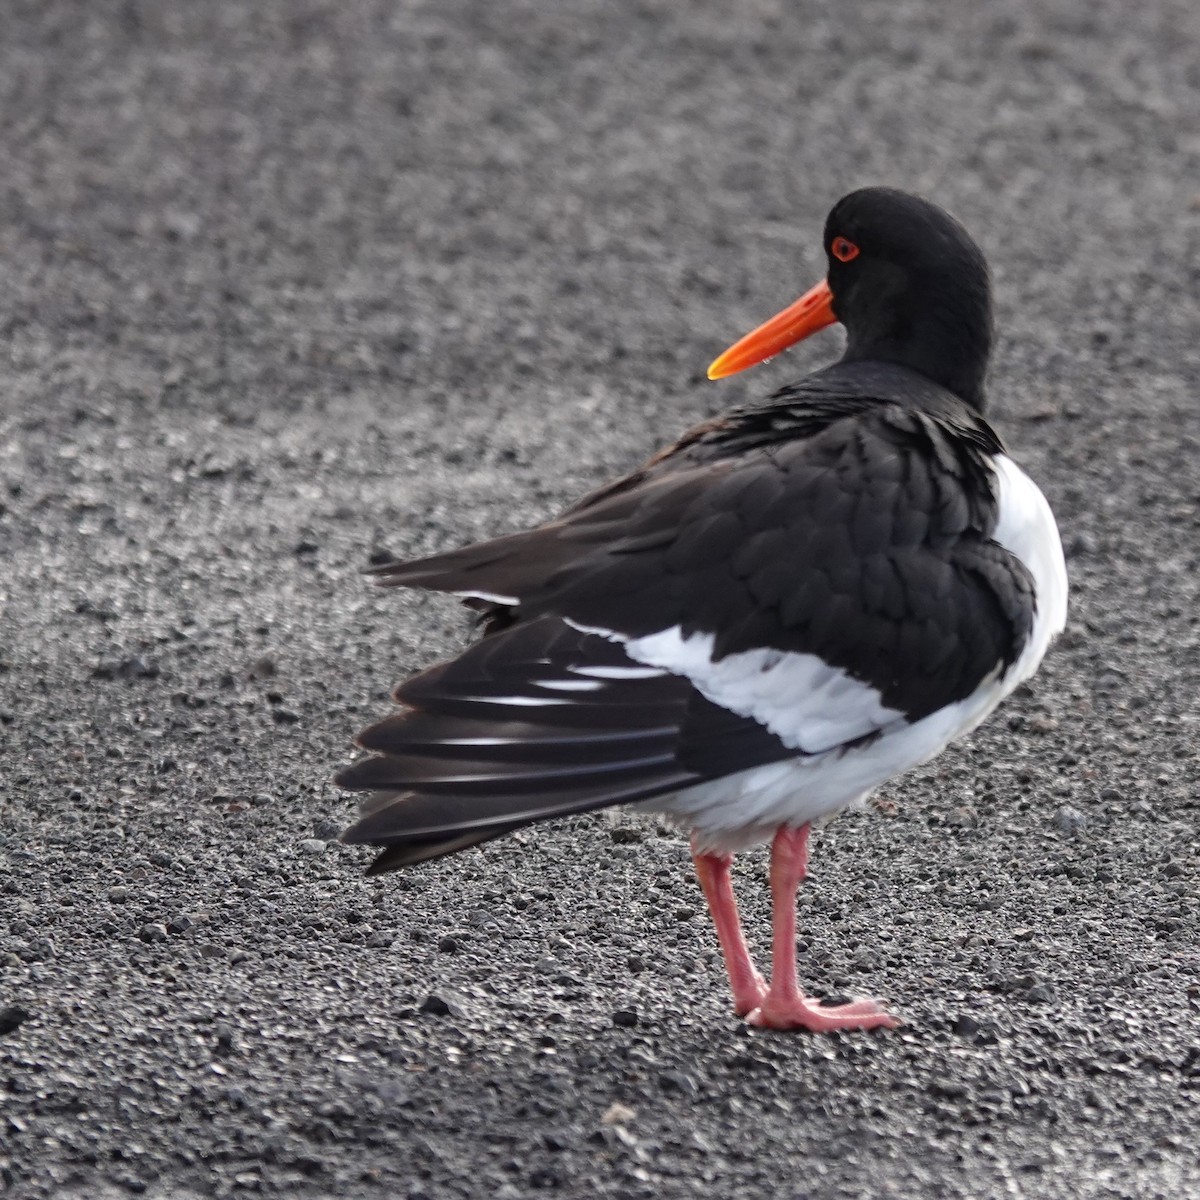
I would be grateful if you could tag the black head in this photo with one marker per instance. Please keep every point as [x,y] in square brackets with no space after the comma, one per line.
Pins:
[911,287]
[908,283]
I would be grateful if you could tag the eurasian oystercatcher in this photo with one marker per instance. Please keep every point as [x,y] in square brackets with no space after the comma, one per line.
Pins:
[799,600]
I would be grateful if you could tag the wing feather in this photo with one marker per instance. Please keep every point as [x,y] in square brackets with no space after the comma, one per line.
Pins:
[459,764]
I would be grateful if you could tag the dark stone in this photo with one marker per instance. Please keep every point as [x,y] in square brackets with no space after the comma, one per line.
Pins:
[444,1004]
[12,1016]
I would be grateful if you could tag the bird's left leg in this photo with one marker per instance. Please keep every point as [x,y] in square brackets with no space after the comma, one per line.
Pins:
[785,1006]
[748,985]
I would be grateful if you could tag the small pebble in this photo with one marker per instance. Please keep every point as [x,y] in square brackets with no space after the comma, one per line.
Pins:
[948,1089]
[313,846]
[1070,820]
[966,1026]
[618,1114]
[625,1018]
[262,668]
[678,1081]
[153,931]
[623,834]
[1080,545]
[326,829]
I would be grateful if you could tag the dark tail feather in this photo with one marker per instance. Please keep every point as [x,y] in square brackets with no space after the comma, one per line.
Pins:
[488,778]
[408,854]
[412,827]
[392,816]
[539,721]
[470,739]
[487,567]
[610,524]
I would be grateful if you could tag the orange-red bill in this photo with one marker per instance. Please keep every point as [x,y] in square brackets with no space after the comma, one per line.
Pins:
[813,311]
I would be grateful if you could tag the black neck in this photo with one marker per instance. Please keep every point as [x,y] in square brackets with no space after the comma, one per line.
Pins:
[943,332]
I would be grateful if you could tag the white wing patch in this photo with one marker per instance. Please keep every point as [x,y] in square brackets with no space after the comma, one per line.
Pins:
[478,741]
[620,672]
[569,685]
[490,597]
[806,703]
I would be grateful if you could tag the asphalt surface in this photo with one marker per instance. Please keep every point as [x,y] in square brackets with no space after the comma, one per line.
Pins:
[286,284]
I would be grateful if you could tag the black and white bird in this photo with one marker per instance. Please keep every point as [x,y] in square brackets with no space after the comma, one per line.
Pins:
[798,601]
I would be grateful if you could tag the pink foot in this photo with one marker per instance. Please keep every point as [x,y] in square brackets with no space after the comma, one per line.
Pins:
[801,1012]
[749,994]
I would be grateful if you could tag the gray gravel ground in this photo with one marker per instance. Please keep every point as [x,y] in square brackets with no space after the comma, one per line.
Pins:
[292,282]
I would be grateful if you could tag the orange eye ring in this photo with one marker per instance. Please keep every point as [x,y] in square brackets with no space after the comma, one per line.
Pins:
[843,249]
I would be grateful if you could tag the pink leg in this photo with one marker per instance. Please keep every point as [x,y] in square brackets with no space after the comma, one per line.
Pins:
[748,985]
[784,1006]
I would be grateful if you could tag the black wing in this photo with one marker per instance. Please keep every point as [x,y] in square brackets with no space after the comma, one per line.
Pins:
[538,721]
[867,544]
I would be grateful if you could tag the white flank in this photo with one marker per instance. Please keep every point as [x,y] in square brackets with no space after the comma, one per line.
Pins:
[1028,530]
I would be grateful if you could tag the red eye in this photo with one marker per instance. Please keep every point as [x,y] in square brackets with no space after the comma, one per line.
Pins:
[843,249]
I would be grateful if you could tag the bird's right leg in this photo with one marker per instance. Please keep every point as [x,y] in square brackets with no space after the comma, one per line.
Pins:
[785,1006]
[749,987]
